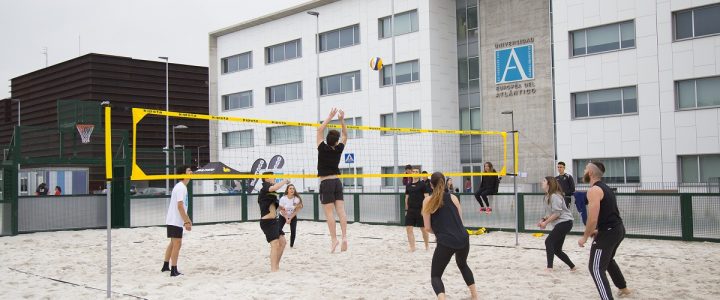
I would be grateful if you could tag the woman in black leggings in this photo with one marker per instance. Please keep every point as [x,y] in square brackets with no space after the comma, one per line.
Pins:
[442,216]
[559,216]
[488,186]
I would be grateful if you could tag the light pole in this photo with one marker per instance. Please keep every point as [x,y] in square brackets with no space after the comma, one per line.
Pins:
[512,122]
[394,92]
[173,147]
[317,60]
[167,123]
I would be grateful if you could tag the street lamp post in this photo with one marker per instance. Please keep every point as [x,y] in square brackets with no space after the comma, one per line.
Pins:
[317,60]
[173,138]
[512,122]
[167,123]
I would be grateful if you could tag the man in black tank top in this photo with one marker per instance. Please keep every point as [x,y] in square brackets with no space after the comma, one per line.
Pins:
[606,226]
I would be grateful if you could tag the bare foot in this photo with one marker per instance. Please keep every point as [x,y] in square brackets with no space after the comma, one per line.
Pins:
[412,249]
[624,292]
[573,269]
[548,270]
[334,245]
[344,245]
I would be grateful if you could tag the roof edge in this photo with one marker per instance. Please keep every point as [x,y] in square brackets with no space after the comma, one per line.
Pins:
[271,17]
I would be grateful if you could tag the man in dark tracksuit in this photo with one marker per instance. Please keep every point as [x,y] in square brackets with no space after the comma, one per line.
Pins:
[606,227]
[567,183]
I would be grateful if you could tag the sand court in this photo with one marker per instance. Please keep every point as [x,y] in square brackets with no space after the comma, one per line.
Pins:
[230,261]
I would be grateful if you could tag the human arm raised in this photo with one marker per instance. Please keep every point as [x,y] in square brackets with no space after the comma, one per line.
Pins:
[321,129]
[343,135]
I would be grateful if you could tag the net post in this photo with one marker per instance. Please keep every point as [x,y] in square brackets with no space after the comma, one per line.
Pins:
[356,206]
[521,212]
[686,217]
[108,177]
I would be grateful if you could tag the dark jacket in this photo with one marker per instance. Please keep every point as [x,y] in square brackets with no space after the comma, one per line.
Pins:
[567,184]
[490,183]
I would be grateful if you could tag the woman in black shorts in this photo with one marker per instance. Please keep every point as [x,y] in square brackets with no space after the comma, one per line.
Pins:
[268,202]
[415,192]
[331,188]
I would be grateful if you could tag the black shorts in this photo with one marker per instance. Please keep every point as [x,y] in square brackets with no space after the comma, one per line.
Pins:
[271,228]
[413,217]
[331,190]
[174,232]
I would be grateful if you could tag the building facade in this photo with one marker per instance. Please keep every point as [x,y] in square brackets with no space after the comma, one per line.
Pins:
[637,86]
[267,68]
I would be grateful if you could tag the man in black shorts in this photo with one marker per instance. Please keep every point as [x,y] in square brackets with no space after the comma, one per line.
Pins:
[415,193]
[268,202]
[176,219]
[331,188]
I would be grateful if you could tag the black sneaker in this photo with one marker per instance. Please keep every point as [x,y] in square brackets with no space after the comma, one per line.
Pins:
[174,273]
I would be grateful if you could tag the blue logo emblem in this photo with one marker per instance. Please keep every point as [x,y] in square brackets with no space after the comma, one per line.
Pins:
[514,64]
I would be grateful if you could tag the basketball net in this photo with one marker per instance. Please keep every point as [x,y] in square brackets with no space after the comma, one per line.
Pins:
[85,131]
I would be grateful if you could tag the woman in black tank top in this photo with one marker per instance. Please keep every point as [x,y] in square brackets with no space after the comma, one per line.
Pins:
[442,216]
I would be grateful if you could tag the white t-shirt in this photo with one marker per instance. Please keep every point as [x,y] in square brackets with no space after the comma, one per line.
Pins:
[289,204]
[179,193]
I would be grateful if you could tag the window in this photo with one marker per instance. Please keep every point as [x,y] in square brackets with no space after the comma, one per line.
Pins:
[617,170]
[284,51]
[408,119]
[238,139]
[340,83]
[350,182]
[406,22]
[352,133]
[699,168]
[237,63]
[617,101]
[284,92]
[406,72]
[470,119]
[696,93]
[284,135]
[697,22]
[603,38]
[388,181]
[340,38]
[237,100]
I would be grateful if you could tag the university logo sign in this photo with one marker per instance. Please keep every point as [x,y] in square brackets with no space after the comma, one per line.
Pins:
[514,64]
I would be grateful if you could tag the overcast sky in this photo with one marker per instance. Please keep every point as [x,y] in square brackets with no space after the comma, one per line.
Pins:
[143,29]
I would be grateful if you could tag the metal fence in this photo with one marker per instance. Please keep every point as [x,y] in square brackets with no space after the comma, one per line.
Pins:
[683,216]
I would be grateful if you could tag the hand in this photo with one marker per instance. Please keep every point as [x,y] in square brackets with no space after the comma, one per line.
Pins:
[543,225]
[333,111]
[582,241]
[341,114]
[188,226]
[594,233]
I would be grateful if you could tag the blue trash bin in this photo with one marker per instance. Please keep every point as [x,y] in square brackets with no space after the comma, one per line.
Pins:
[581,204]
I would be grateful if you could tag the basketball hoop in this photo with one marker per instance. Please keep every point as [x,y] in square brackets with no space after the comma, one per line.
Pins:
[85,131]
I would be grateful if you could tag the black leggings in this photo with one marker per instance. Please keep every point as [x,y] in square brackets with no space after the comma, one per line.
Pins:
[482,195]
[293,226]
[440,260]
[554,243]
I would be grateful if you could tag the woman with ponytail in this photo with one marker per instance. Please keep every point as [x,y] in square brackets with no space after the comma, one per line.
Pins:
[442,216]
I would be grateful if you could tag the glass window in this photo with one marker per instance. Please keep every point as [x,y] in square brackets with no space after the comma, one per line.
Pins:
[281,52]
[237,63]
[284,92]
[472,17]
[605,102]
[350,182]
[707,20]
[391,181]
[408,119]
[697,22]
[474,67]
[284,135]
[238,139]
[475,119]
[352,133]
[683,25]
[617,170]
[340,83]
[697,93]
[461,24]
[406,72]
[699,168]
[405,22]
[603,38]
[340,38]
[237,100]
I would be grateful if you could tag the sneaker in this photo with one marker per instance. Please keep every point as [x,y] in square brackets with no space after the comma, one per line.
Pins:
[482,209]
[488,210]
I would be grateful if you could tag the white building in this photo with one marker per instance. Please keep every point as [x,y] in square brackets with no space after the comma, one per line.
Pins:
[637,85]
[266,68]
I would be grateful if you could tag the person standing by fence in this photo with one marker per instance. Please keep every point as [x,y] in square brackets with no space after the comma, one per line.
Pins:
[567,183]
[606,226]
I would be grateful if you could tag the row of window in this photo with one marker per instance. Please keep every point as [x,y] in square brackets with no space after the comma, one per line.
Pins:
[293,134]
[691,23]
[691,168]
[329,85]
[689,94]
[405,22]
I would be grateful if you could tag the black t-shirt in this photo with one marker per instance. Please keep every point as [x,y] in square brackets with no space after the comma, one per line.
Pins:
[41,189]
[416,194]
[447,225]
[266,198]
[329,159]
